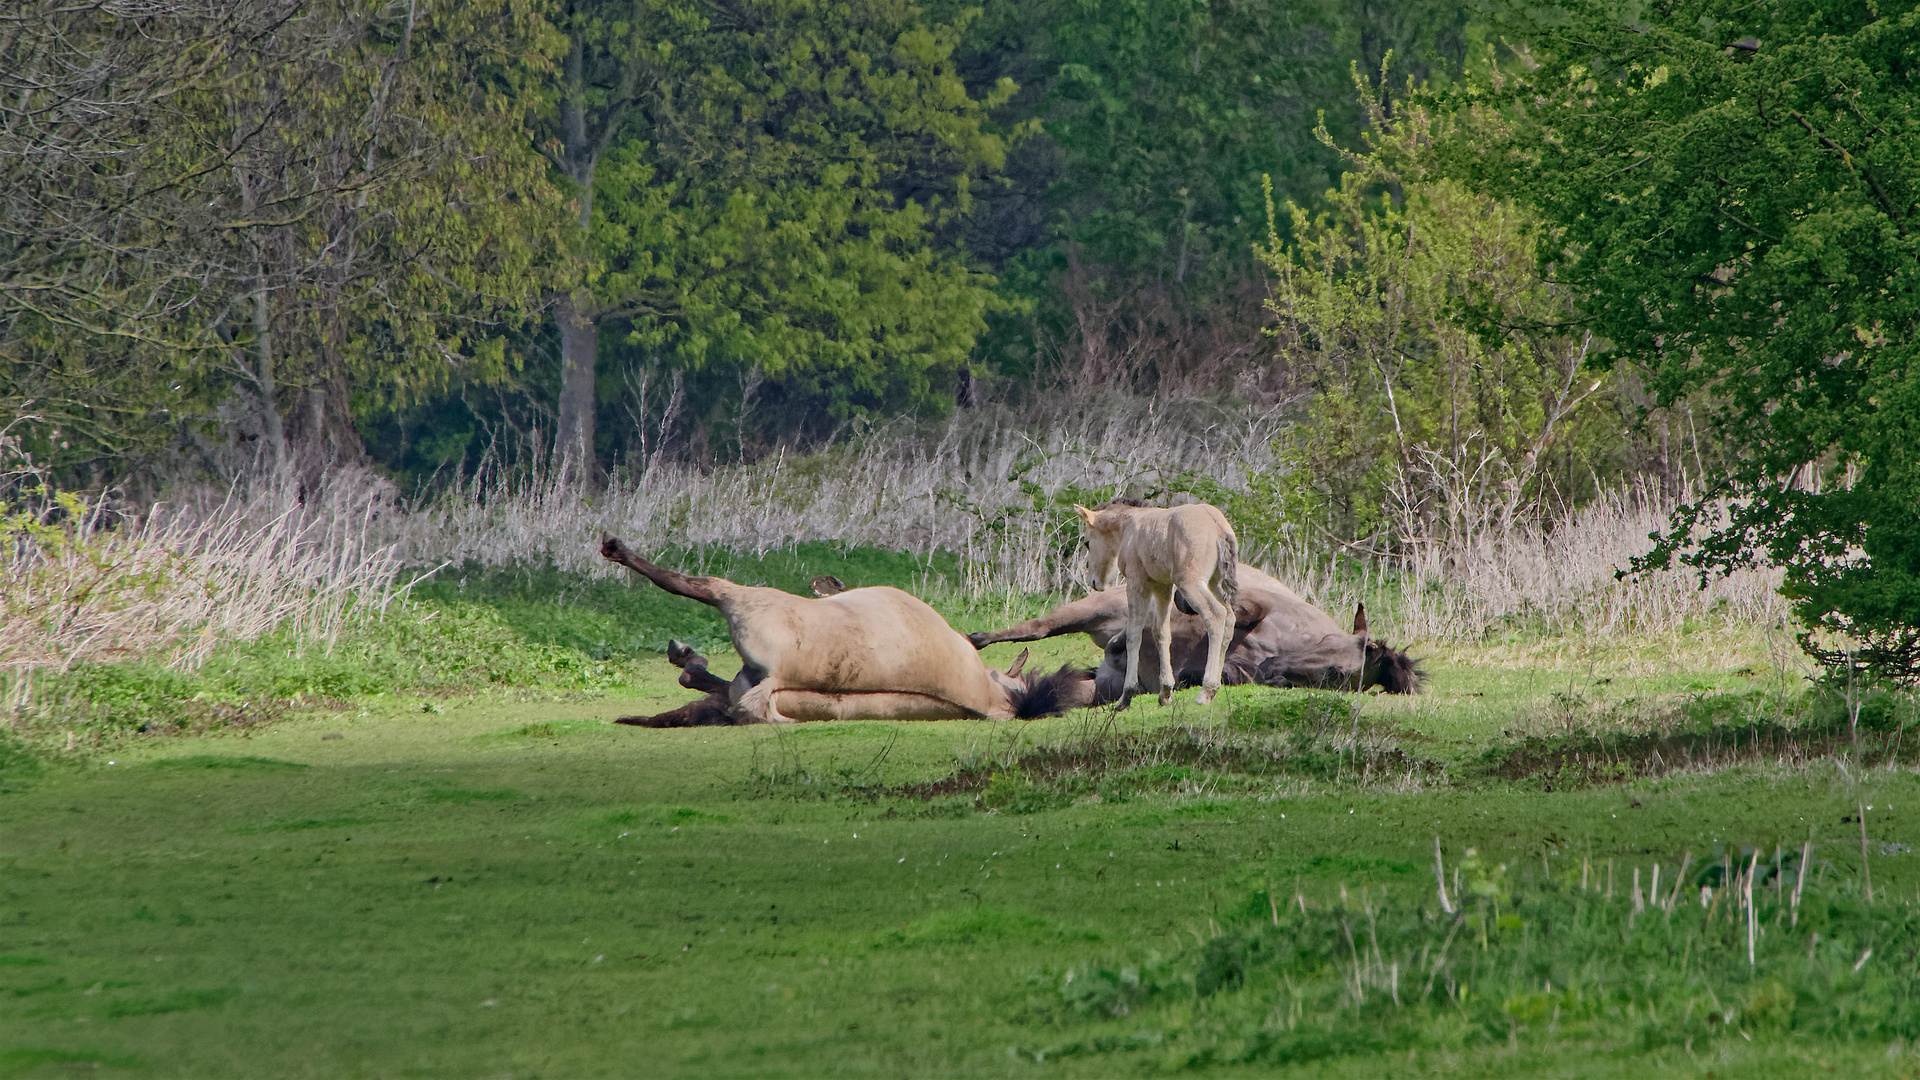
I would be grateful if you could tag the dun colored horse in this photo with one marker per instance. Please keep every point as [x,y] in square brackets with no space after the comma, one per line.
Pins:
[874,653]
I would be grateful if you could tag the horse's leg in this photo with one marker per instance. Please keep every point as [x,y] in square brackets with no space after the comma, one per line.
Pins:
[1097,616]
[693,669]
[709,711]
[1163,629]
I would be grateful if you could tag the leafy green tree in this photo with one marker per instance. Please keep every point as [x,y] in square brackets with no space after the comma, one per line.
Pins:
[293,202]
[383,215]
[1451,401]
[766,182]
[1739,187]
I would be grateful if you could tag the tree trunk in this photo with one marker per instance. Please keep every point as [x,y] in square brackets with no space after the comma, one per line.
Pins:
[263,377]
[579,342]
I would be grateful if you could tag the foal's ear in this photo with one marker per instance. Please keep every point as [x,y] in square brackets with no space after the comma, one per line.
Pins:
[1360,619]
[1086,515]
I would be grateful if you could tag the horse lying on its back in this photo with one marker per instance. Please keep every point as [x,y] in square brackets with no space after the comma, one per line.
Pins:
[1278,640]
[875,653]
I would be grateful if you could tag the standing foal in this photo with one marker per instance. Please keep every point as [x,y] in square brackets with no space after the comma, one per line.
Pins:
[1191,548]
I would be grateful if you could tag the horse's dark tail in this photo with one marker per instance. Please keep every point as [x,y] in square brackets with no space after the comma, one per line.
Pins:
[1229,572]
[1049,695]
[1393,670]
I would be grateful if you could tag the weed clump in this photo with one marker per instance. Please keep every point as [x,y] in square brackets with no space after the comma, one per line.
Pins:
[1302,710]
[1289,980]
[1718,731]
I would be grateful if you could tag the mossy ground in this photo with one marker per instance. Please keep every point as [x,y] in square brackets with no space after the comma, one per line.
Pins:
[500,883]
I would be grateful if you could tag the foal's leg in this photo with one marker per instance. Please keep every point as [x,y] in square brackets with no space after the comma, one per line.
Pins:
[1163,628]
[1138,601]
[1219,620]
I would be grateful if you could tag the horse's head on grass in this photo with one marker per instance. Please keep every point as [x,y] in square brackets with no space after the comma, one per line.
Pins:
[1392,670]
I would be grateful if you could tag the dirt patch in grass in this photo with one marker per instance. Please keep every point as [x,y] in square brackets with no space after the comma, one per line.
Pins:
[1107,765]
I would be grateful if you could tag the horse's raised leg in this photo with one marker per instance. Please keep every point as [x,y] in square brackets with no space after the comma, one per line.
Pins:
[693,669]
[1163,632]
[1219,620]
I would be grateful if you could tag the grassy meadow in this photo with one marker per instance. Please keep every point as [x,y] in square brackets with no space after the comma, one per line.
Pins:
[427,852]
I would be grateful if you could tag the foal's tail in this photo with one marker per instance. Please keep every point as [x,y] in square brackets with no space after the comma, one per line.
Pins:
[1229,572]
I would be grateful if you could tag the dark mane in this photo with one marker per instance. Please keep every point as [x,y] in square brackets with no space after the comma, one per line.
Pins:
[1111,503]
[1393,670]
[1049,695]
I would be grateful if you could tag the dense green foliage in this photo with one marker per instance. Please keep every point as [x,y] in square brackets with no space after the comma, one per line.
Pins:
[1452,395]
[1125,224]
[1737,187]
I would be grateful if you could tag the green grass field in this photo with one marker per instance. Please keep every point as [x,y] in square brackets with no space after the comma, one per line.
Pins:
[485,878]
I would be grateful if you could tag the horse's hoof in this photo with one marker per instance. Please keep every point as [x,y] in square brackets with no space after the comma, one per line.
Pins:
[1166,697]
[1206,697]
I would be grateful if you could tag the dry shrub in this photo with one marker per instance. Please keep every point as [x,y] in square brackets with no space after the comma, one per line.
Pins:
[81,583]
[1562,575]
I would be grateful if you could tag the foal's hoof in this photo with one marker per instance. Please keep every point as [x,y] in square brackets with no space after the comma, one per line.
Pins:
[1166,697]
[1206,696]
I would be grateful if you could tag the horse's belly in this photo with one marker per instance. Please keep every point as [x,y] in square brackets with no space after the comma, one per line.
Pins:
[883,705]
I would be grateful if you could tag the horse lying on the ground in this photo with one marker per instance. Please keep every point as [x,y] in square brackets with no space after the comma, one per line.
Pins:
[1278,640]
[1190,548]
[875,653]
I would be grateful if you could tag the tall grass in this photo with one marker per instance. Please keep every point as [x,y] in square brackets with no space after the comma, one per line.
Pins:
[997,492]
[983,486]
[1561,575]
